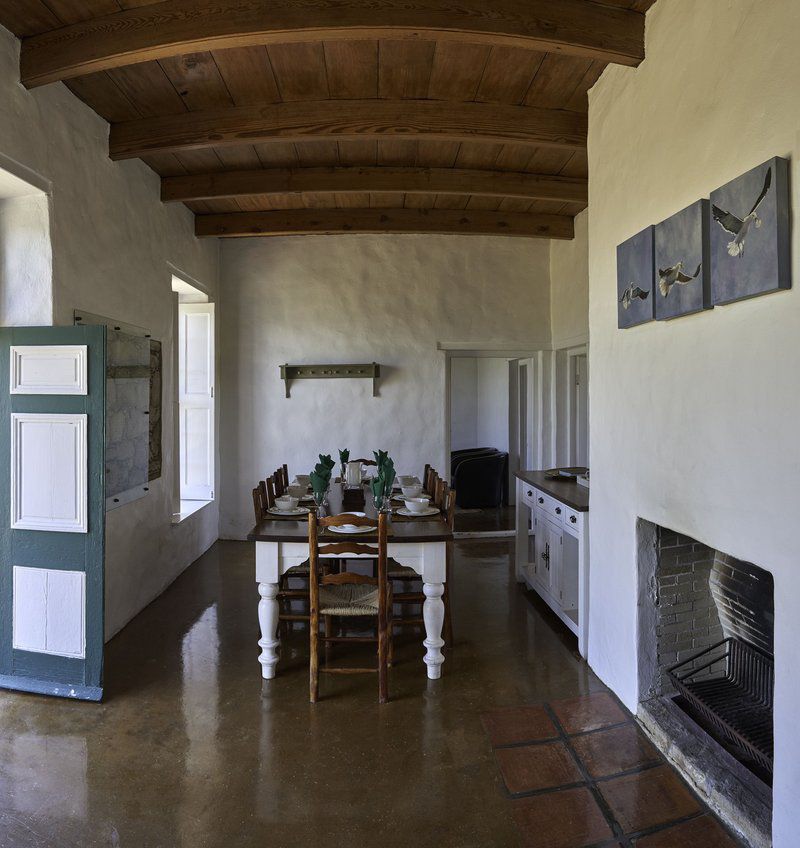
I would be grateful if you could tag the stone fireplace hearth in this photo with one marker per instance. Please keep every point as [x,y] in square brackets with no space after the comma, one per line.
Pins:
[695,600]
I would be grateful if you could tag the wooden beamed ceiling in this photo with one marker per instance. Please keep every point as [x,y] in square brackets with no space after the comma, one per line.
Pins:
[276,117]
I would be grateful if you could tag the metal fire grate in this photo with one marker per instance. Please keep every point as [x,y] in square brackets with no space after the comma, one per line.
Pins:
[731,684]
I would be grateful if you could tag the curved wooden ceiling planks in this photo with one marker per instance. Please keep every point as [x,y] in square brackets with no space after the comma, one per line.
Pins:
[350,120]
[279,117]
[176,27]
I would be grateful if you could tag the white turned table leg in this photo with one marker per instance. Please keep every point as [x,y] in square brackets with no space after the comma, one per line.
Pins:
[268,621]
[433,615]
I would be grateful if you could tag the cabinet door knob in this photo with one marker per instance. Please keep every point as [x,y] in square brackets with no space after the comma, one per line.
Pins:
[541,500]
[573,519]
[530,494]
[558,510]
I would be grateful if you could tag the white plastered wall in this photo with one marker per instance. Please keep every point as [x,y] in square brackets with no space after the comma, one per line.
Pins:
[360,298]
[111,241]
[694,421]
[569,279]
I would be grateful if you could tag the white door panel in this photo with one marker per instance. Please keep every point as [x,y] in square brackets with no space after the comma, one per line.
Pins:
[196,398]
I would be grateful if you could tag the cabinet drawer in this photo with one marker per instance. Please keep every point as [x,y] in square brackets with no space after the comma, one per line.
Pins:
[552,507]
[572,518]
[529,495]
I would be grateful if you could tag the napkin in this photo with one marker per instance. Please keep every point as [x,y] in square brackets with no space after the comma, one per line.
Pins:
[387,475]
[380,457]
[319,481]
[378,488]
[326,461]
[344,456]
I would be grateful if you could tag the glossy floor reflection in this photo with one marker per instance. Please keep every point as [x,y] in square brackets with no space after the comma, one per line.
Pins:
[191,748]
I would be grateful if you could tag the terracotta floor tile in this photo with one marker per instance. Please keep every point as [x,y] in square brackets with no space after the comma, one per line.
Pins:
[589,712]
[511,725]
[649,798]
[705,831]
[533,767]
[566,819]
[608,752]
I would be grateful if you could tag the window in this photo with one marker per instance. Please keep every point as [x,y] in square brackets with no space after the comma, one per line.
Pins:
[195,396]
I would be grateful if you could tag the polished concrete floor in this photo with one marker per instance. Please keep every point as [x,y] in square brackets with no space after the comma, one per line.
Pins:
[493,520]
[192,748]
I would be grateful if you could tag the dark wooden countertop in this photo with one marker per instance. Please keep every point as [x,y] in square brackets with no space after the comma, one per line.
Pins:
[416,530]
[568,492]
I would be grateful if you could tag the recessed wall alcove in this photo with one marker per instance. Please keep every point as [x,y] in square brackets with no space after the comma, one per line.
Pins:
[706,652]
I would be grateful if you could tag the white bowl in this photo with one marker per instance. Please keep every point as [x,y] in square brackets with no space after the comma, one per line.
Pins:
[417,504]
[286,502]
[296,490]
[412,491]
[302,479]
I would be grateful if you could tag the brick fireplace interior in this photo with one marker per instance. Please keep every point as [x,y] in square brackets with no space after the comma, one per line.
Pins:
[706,648]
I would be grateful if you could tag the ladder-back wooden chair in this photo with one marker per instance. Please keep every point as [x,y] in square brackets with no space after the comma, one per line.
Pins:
[259,503]
[348,594]
[430,483]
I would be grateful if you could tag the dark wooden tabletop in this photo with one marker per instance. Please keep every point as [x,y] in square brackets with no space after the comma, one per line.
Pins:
[432,529]
[567,491]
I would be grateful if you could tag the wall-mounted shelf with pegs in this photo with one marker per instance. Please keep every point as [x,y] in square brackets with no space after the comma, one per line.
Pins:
[370,370]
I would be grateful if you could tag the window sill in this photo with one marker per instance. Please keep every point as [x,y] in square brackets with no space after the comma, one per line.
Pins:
[188,508]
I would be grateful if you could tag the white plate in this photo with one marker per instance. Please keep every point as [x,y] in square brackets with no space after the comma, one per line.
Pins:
[351,529]
[307,499]
[405,480]
[298,510]
[405,511]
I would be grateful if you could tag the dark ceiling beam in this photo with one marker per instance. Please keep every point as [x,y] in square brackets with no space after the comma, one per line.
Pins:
[177,27]
[227,185]
[349,120]
[295,222]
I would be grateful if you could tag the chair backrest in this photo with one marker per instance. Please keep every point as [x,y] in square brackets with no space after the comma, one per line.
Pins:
[425,474]
[449,507]
[439,492]
[347,547]
[432,482]
[365,461]
[285,470]
[269,485]
[258,508]
[277,478]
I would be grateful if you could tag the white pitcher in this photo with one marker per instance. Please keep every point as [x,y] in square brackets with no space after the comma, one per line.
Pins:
[353,474]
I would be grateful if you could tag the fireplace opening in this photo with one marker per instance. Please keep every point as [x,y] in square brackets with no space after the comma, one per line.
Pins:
[706,670]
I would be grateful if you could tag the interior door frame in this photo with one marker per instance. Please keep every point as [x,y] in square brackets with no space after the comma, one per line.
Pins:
[573,355]
[488,350]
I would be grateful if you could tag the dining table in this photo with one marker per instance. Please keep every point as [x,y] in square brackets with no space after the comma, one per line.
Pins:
[420,543]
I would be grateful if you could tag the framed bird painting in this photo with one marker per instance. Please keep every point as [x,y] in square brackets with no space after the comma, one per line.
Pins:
[682,278]
[635,280]
[750,234]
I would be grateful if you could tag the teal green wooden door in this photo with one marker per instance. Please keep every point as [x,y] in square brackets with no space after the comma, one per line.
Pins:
[52,510]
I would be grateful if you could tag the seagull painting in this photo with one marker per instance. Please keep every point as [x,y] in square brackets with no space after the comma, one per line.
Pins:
[668,277]
[739,227]
[632,293]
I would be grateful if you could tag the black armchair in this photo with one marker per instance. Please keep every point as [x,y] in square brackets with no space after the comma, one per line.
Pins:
[479,476]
